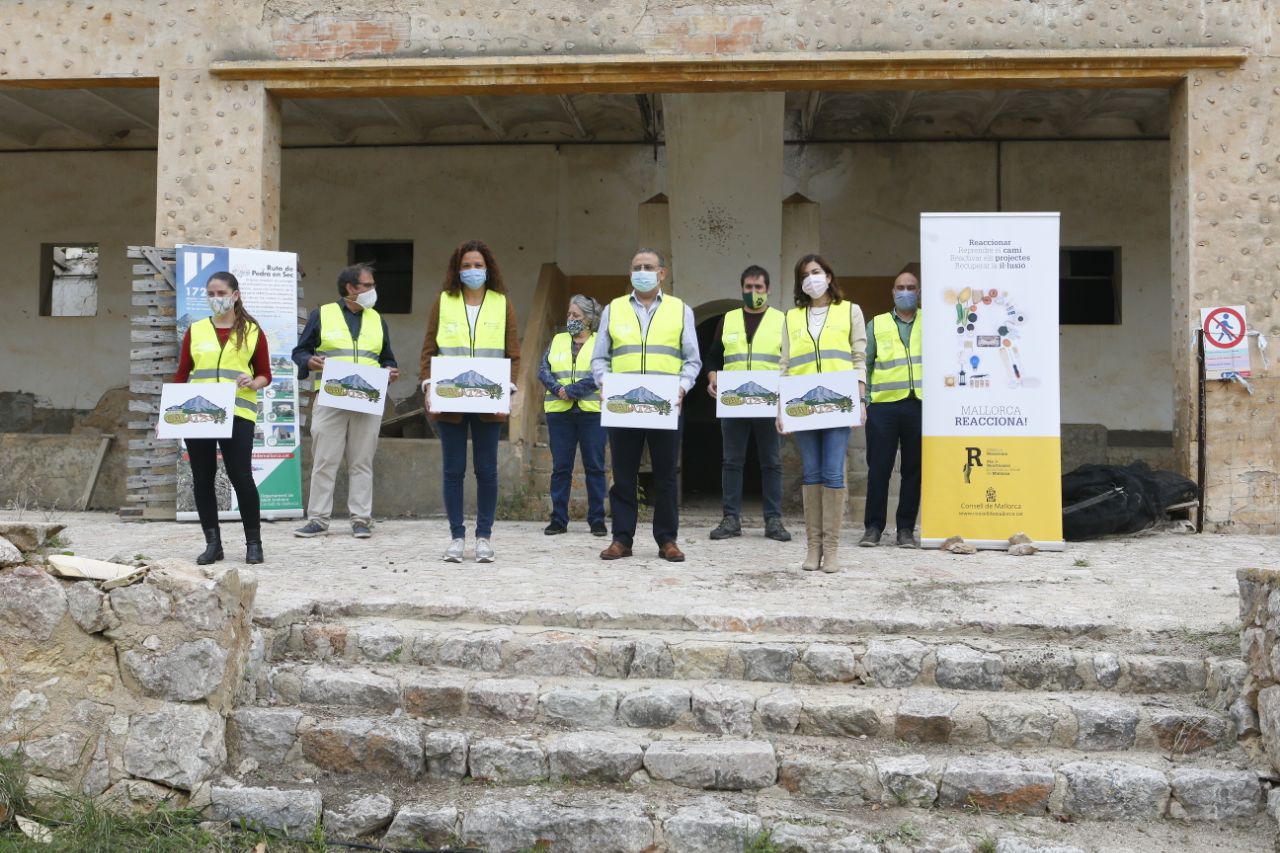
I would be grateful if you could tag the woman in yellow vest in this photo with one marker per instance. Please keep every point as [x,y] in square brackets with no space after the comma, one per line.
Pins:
[472,317]
[823,334]
[227,347]
[572,404]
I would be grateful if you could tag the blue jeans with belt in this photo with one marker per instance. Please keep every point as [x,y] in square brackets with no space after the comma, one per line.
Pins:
[822,454]
[484,451]
[569,431]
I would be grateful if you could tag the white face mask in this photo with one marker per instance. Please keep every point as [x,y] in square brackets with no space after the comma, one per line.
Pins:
[367,299]
[815,285]
[221,304]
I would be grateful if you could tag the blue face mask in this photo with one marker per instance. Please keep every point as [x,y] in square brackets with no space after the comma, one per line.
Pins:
[474,278]
[906,300]
[574,326]
[644,280]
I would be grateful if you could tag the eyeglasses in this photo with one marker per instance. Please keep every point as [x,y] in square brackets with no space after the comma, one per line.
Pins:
[645,268]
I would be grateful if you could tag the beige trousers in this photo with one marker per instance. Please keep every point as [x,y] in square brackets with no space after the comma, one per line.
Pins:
[336,433]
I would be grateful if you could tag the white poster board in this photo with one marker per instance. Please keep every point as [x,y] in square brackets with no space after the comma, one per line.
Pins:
[747,394]
[478,385]
[640,401]
[196,410]
[820,401]
[1226,346]
[353,387]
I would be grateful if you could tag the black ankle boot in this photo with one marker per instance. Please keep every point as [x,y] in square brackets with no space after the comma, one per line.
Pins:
[213,548]
[253,545]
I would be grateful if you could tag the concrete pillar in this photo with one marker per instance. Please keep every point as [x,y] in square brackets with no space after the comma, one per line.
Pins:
[801,234]
[655,225]
[217,163]
[724,182]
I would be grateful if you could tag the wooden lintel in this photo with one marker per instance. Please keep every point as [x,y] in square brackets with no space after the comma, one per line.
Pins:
[827,71]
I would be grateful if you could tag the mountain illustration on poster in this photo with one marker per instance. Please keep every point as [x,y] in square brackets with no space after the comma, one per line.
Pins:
[639,399]
[195,410]
[749,393]
[818,400]
[352,386]
[469,384]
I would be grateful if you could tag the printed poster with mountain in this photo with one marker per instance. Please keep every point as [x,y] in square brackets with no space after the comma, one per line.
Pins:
[354,387]
[641,401]
[747,394]
[819,401]
[477,385]
[196,410]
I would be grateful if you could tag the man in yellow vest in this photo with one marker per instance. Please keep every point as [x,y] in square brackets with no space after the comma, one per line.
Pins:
[346,330]
[646,332]
[895,391]
[748,338]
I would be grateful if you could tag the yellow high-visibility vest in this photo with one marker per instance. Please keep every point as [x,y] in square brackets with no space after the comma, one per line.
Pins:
[214,362]
[763,351]
[658,349]
[897,371]
[336,342]
[454,335]
[566,371]
[831,353]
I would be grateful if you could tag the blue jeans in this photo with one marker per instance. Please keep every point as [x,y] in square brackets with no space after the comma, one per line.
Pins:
[569,431]
[484,451]
[735,432]
[822,453]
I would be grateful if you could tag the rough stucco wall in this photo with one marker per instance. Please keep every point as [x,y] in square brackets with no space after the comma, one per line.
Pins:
[600,189]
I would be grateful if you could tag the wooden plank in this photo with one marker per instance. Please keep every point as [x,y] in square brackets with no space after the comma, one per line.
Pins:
[159,370]
[164,264]
[156,353]
[145,386]
[152,461]
[153,321]
[161,512]
[143,300]
[146,407]
[151,285]
[140,481]
[153,444]
[152,336]
[140,252]
[83,503]
[143,426]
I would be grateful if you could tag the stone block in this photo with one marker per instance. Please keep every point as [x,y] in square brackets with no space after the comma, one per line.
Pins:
[56,757]
[427,695]
[964,668]
[1106,669]
[188,672]
[141,604]
[1215,794]
[28,536]
[380,642]
[422,825]
[518,825]
[1165,675]
[1104,725]
[904,780]
[1043,669]
[388,746]
[654,708]
[802,838]
[322,642]
[1245,720]
[812,776]
[10,555]
[359,817]
[894,663]
[554,653]
[1114,791]
[88,606]
[651,658]
[829,662]
[580,708]
[1023,845]
[445,754]
[997,784]
[925,718]
[780,712]
[293,812]
[719,709]
[594,756]
[504,699]
[136,796]
[1183,732]
[263,734]
[717,765]
[710,827]
[179,745]
[1268,715]
[1018,724]
[767,661]
[693,659]
[1253,648]
[475,651]
[843,716]
[510,760]
[32,605]
[328,686]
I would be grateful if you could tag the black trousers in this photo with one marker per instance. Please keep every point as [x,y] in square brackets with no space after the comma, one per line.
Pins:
[626,446]
[237,458]
[891,426]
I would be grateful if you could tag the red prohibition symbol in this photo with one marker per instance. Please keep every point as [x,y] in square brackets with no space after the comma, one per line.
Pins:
[1224,328]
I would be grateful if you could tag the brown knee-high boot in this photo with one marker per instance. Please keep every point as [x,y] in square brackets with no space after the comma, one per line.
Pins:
[833,501]
[812,496]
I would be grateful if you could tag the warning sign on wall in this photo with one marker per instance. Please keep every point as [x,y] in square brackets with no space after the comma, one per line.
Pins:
[1226,348]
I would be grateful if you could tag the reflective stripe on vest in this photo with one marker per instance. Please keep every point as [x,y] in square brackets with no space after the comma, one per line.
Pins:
[566,371]
[214,362]
[336,341]
[657,349]
[831,352]
[454,335]
[896,373]
[763,351]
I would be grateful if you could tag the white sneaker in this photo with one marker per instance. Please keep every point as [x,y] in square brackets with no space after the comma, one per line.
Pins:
[484,551]
[454,553]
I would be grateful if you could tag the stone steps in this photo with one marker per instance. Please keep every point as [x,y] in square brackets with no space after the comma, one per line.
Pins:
[1081,721]
[955,662]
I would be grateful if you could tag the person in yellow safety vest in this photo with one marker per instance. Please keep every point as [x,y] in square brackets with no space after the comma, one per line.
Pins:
[571,402]
[896,391]
[748,338]
[646,331]
[348,330]
[472,318]
[227,347]
[824,333]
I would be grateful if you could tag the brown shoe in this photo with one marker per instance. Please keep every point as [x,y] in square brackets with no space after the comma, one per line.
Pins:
[615,551]
[669,552]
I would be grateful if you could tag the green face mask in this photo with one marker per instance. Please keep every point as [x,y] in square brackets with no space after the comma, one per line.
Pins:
[753,300]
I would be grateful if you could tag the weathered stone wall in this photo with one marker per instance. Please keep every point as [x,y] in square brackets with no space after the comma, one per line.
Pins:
[123,692]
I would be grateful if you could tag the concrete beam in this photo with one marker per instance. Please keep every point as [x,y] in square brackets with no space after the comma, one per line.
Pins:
[991,112]
[142,121]
[809,115]
[90,135]
[566,103]
[489,119]
[398,114]
[314,117]
[1087,106]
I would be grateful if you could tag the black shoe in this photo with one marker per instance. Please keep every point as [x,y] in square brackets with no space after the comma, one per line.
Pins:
[253,552]
[729,526]
[554,529]
[906,539]
[599,529]
[870,538]
[213,547]
[360,530]
[773,529]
